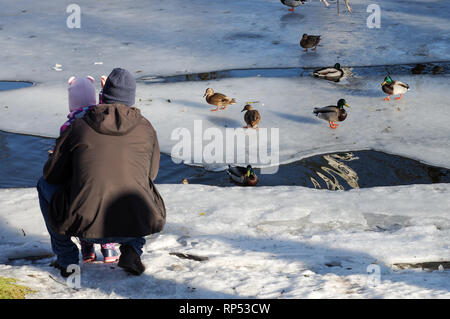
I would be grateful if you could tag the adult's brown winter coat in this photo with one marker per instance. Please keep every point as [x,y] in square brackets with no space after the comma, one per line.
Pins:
[106,163]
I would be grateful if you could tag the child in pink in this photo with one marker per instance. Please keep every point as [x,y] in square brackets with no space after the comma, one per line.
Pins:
[82,99]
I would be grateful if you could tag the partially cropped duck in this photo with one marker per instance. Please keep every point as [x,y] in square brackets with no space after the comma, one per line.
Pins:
[332,113]
[309,41]
[332,73]
[293,3]
[243,175]
[391,87]
[251,117]
[218,99]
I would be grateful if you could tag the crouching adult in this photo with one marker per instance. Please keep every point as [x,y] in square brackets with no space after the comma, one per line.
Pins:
[98,182]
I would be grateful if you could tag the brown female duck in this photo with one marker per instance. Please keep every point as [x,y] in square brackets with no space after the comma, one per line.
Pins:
[309,41]
[218,99]
[251,117]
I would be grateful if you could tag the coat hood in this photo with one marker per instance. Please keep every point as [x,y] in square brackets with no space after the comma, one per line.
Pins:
[113,119]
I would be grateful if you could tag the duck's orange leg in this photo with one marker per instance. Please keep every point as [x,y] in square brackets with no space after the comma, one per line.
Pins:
[215,109]
[333,125]
[387,98]
[398,98]
[223,107]
[291,9]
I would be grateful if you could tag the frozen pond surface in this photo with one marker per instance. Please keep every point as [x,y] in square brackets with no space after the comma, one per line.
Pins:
[22,158]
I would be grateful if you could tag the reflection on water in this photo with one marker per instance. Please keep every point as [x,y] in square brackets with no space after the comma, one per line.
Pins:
[336,171]
[362,169]
[22,158]
[336,166]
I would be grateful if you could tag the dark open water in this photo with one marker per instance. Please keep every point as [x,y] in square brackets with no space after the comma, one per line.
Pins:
[22,158]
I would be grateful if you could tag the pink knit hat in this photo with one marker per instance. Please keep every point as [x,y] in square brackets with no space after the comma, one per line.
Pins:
[81,92]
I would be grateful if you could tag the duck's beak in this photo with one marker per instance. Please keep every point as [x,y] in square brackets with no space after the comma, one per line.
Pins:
[347,105]
[204,94]
[243,110]
[384,82]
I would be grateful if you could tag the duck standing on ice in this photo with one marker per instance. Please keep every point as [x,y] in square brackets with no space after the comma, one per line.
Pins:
[332,113]
[218,99]
[391,87]
[293,3]
[309,41]
[251,117]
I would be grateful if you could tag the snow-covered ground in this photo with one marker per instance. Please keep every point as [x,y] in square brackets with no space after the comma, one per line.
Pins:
[287,242]
[268,242]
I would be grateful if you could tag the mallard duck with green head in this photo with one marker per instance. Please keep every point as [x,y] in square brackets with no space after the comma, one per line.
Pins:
[242,175]
[332,113]
[331,73]
[391,87]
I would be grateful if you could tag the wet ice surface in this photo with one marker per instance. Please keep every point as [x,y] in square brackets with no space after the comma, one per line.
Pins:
[163,38]
[13,85]
[439,67]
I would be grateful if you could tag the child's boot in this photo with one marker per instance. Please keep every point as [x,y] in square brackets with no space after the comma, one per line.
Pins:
[109,253]
[88,251]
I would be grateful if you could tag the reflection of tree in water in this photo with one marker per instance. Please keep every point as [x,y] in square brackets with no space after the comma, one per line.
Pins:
[335,166]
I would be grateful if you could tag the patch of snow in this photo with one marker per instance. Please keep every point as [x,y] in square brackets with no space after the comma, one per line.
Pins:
[279,242]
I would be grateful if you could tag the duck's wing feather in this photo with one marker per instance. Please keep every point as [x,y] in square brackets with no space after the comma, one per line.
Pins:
[329,113]
[325,71]
[329,73]
[406,86]
[400,87]
[314,39]
[223,98]
[236,170]
[325,109]
[236,174]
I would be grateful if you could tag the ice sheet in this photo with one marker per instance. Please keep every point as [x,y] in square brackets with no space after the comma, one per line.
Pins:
[169,37]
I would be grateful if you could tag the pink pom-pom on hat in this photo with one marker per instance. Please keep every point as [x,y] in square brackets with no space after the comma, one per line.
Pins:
[81,92]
